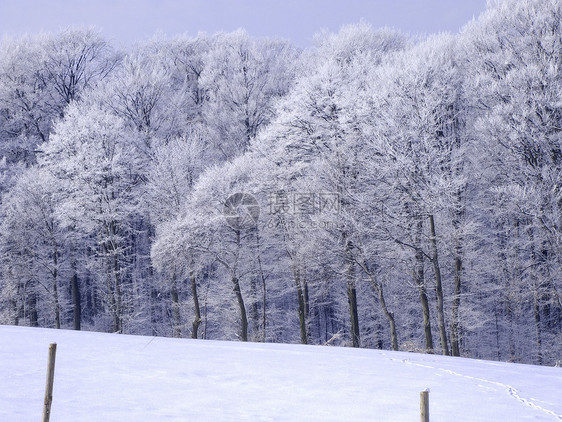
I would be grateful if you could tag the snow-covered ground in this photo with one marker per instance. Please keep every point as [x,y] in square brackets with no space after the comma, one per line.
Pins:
[105,377]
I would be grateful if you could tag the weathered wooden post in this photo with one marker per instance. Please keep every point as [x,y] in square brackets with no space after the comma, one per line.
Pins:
[424,405]
[50,382]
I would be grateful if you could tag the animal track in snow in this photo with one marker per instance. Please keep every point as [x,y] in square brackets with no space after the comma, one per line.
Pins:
[512,391]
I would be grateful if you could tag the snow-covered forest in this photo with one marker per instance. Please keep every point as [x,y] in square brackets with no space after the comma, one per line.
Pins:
[375,190]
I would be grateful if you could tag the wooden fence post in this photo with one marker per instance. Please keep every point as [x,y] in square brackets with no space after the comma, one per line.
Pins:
[424,405]
[50,382]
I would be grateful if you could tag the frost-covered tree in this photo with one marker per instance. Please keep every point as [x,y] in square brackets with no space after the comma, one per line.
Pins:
[216,238]
[175,170]
[34,255]
[243,77]
[513,59]
[73,61]
[317,147]
[422,140]
[95,163]
[40,76]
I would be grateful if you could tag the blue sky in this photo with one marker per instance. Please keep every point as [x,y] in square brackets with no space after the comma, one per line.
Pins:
[127,21]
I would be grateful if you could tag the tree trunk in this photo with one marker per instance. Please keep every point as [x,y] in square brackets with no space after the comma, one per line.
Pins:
[232,268]
[455,316]
[438,287]
[15,312]
[354,315]
[352,295]
[455,320]
[264,309]
[263,289]
[379,343]
[118,315]
[306,307]
[419,279]
[176,315]
[536,293]
[254,306]
[113,285]
[389,316]
[377,286]
[33,315]
[302,305]
[196,307]
[537,315]
[242,307]
[301,289]
[56,288]
[76,301]
[238,293]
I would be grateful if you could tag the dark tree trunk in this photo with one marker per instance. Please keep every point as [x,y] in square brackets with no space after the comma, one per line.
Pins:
[458,277]
[301,306]
[537,315]
[261,280]
[354,315]
[76,300]
[56,288]
[389,316]
[438,287]
[232,268]
[254,307]
[176,314]
[118,312]
[33,315]
[110,250]
[352,295]
[377,286]
[455,319]
[196,307]
[536,293]
[242,307]
[15,311]
[419,279]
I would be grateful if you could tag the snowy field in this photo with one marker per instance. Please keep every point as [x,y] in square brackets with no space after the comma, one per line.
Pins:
[104,377]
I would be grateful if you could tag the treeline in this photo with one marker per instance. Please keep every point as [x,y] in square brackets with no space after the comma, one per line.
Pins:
[372,191]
